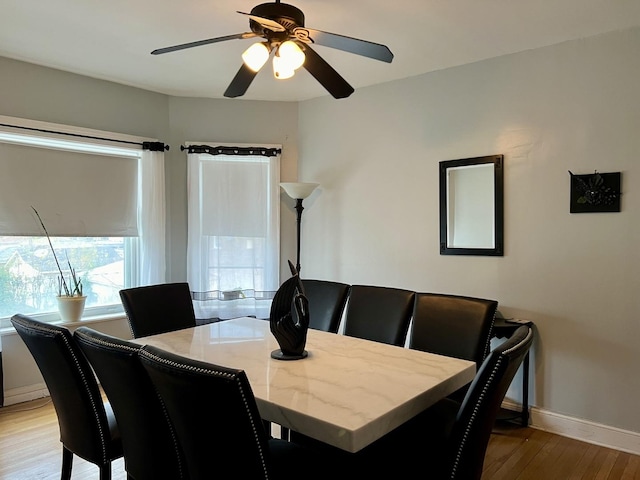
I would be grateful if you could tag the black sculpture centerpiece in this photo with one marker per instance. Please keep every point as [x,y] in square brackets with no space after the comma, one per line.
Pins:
[290,331]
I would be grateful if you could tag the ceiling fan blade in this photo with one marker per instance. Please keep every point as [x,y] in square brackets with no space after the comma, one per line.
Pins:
[203,42]
[240,82]
[265,22]
[376,51]
[325,74]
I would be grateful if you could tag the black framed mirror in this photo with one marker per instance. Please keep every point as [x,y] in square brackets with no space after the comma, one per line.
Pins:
[471,206]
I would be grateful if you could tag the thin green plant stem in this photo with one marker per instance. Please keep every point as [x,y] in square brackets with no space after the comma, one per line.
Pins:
[64,283]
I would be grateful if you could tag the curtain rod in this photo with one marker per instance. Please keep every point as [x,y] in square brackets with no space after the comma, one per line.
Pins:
[223,150]
[153,146]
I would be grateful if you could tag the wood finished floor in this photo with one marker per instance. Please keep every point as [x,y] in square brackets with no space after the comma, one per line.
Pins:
[30,450]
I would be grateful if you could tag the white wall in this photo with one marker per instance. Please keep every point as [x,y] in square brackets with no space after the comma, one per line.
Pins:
[573,106]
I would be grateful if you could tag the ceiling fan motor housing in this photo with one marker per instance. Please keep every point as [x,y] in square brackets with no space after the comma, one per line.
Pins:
[286,15]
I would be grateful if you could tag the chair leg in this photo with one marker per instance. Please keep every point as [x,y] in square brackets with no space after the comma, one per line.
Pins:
[105,472]
[67,463]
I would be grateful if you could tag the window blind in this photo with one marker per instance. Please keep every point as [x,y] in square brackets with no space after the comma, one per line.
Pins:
[78,189]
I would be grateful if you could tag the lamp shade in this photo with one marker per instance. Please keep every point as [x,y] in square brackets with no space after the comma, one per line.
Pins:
[291,54]
[299,190]
[256,56]
[281,70]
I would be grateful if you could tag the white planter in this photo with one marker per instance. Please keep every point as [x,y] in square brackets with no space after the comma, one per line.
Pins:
[71,308]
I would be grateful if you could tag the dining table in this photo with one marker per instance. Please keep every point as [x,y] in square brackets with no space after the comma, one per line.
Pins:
[347,392]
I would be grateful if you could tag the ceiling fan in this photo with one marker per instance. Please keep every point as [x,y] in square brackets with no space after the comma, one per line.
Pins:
[285,35]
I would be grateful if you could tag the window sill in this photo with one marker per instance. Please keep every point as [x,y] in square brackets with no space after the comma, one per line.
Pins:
[87,320]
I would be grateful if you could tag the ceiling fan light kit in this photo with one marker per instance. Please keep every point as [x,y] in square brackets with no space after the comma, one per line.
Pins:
[282,27]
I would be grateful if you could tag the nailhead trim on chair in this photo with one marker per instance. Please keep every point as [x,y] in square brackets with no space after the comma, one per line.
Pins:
[164,410]
[474,414]
[217,373]
[105,460]
[105,343]
[487,347]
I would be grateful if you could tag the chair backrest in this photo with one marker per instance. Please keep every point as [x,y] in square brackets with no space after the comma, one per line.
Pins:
[160,308]
[214,413]
[326,303]
[377,313]
[477,414]
[76,397]
[151,450]
[453,325]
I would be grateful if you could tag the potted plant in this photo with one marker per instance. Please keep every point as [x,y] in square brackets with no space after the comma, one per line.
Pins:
[70,297]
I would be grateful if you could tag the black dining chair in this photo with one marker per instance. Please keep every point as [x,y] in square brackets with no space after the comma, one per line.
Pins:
[377,313]
[151,450]
[159,308]
[217,422]
[87,425]
[448,440]
[327,300]
[453,325]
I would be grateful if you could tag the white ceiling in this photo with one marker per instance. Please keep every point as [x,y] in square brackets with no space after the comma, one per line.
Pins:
[112,39]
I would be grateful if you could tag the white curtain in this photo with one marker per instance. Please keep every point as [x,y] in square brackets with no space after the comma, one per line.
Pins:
[233,247]
[151,219]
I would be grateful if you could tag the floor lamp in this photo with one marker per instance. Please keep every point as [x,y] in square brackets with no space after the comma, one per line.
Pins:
[299,191]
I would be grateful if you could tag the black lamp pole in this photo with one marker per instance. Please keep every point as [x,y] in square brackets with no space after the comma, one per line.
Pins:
[299,209]
[298,191]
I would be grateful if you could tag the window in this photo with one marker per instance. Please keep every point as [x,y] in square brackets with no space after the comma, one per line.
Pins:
[29,276]
[91,197]
[233,233]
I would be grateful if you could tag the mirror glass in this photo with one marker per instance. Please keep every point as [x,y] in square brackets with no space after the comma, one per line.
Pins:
[471,206]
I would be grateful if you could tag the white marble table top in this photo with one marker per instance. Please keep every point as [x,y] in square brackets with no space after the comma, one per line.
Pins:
[348,392]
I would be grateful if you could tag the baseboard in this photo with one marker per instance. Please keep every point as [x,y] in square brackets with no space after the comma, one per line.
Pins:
[25,394]
[583,430]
